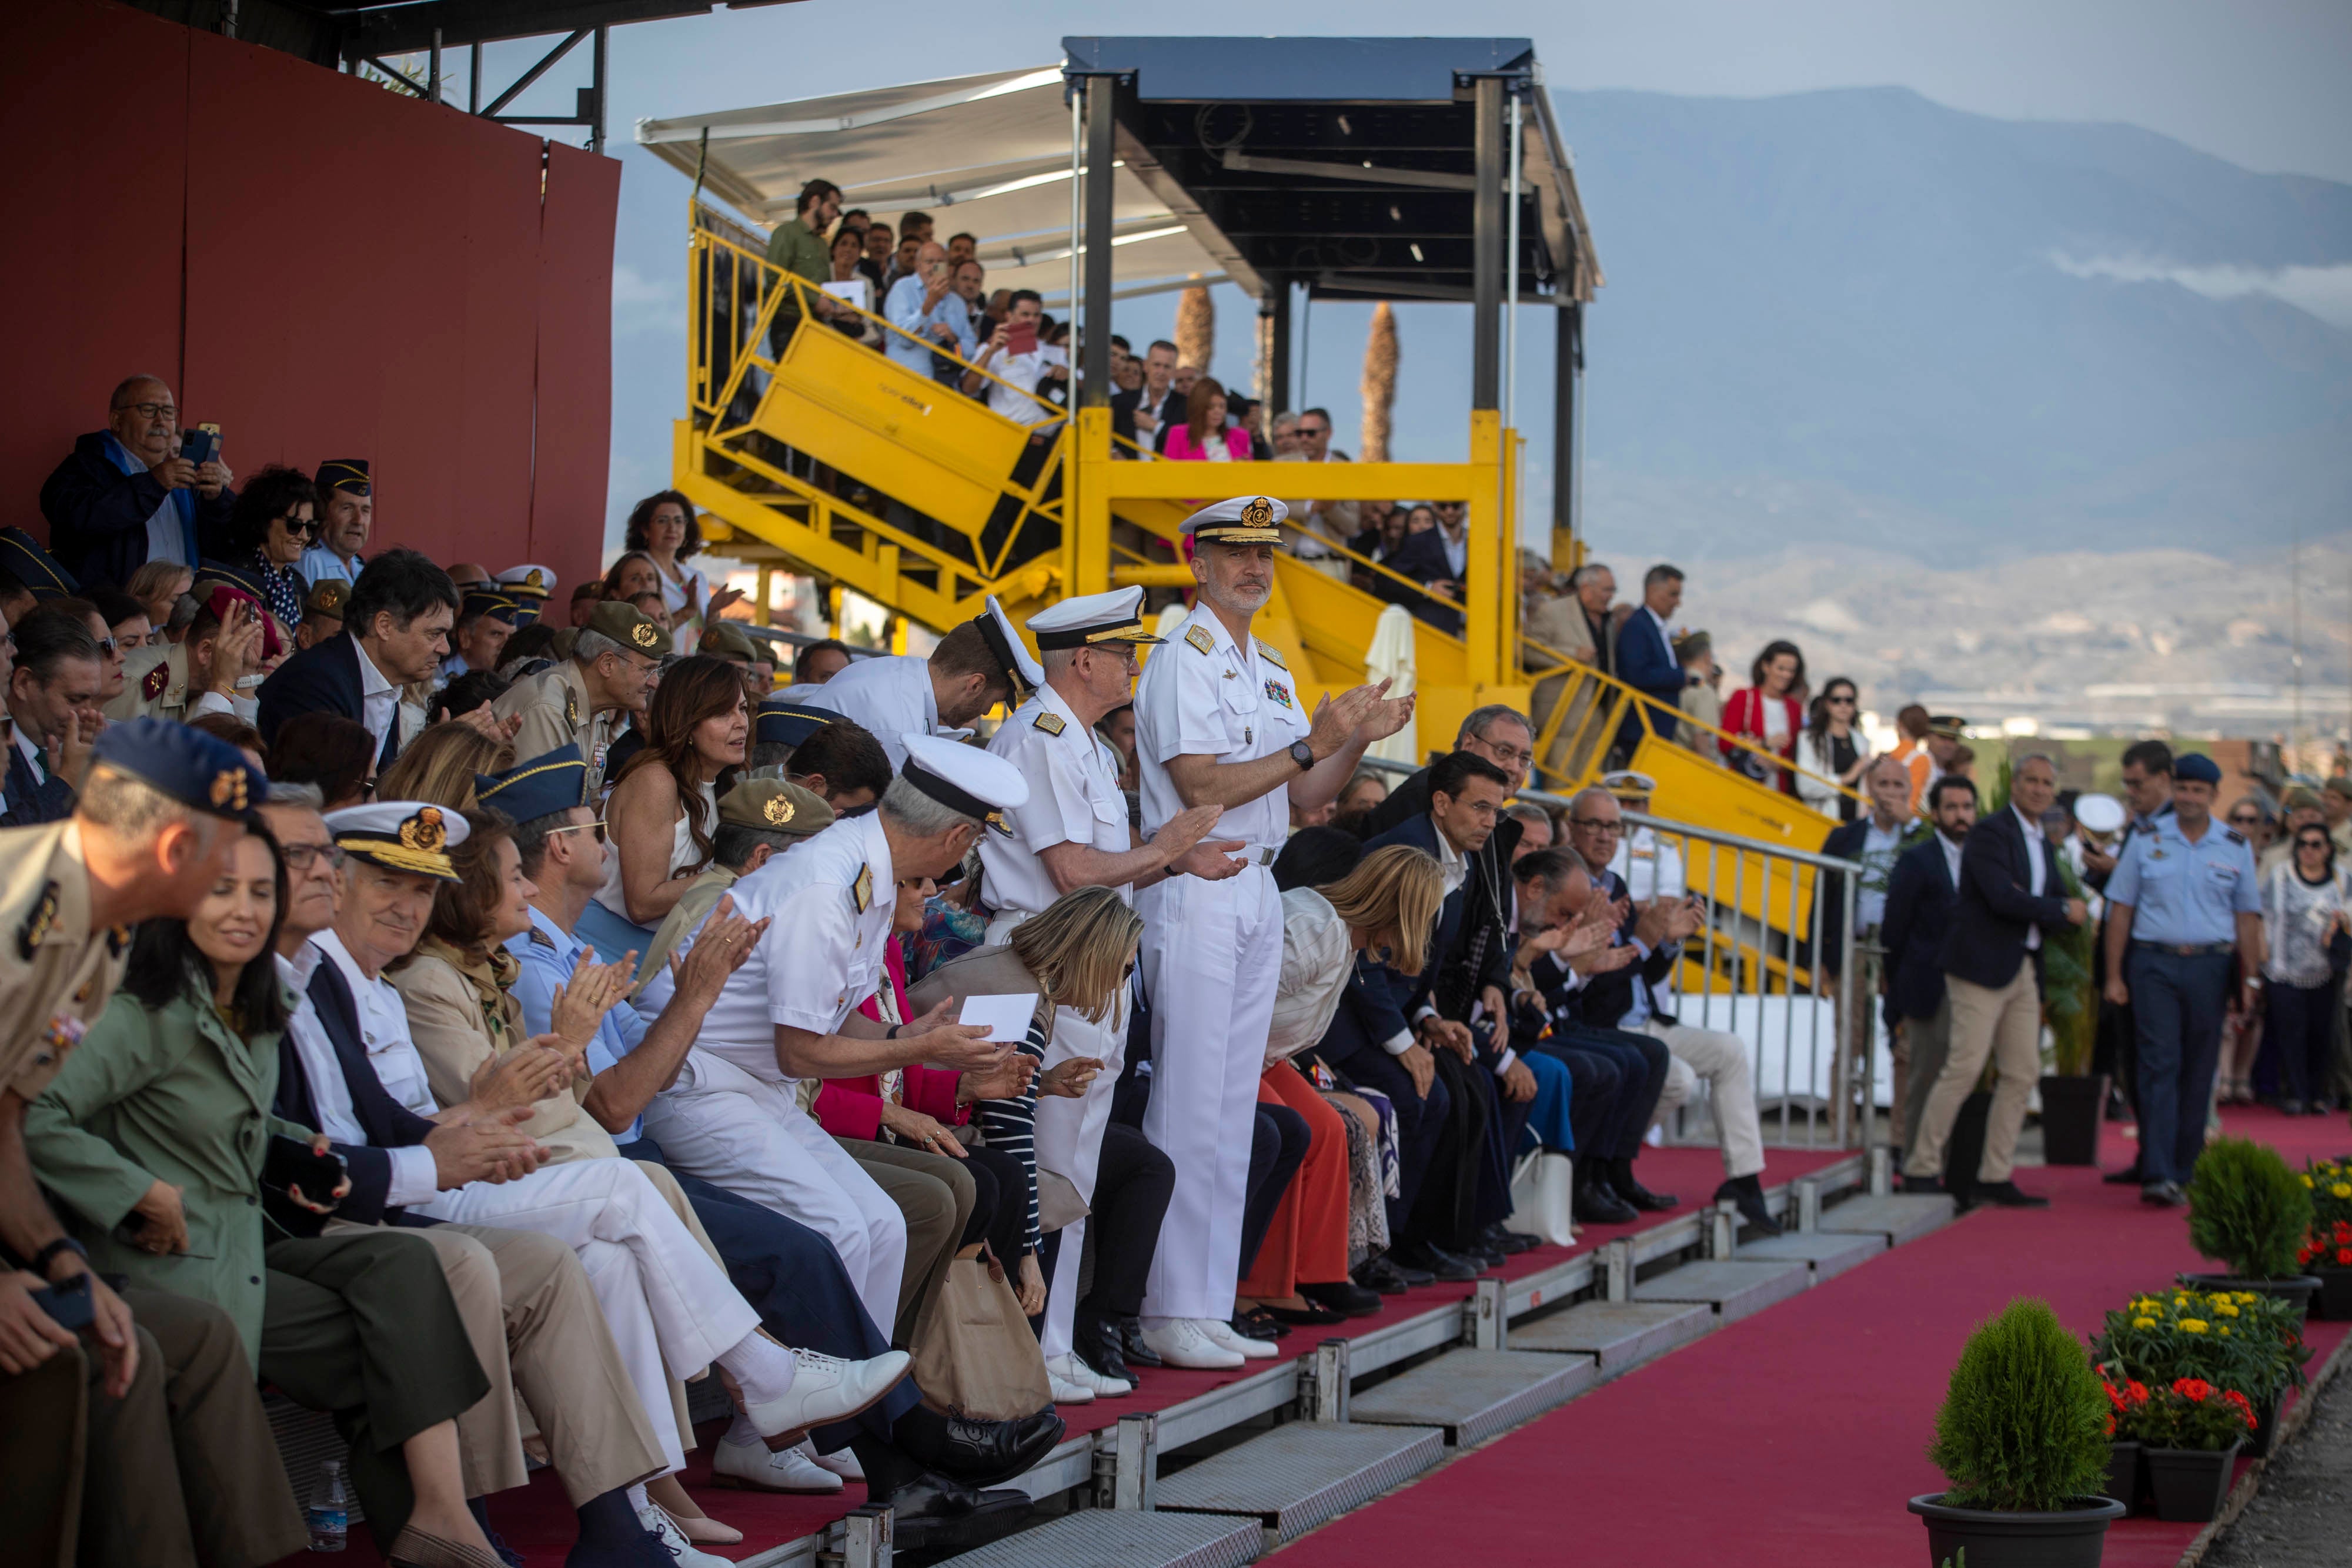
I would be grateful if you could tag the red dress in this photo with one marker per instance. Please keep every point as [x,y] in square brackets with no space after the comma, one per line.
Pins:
[1743,715]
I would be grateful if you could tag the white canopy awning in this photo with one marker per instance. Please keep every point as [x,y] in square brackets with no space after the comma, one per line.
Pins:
[988,155]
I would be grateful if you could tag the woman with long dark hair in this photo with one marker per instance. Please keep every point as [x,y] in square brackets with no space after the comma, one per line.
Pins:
[2306,905]
[1770,712]
[664,802]
[268,530]
[664,529]
[1204,436]
[1832,748]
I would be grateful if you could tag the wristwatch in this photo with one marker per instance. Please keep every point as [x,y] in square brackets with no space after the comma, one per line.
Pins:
[1302,754]
[41,1259]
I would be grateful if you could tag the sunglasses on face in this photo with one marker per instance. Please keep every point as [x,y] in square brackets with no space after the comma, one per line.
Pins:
[596,828]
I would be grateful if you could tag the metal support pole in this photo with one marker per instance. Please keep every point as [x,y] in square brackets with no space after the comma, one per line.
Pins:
[1617,1259]
[1808,1206]
[1323,1383]
[433,69]
[1723,1231]
[1486,248]
[1511,280]
[474,93]
[1078,190]
[1276,305]
[596,138]
[1094,334]
[1485,1323]
[1882,1171]
[864,1536]
[1135,1462]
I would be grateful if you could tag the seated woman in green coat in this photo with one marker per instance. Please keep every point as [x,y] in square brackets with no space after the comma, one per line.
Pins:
[155,1136]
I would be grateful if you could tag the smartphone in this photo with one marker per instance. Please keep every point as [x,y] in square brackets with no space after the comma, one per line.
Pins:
[71,1307]
[202,445]
[289,1163]
[1020,337]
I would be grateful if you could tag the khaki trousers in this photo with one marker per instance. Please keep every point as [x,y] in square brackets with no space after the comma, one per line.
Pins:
[936,1194]
[1721,1059]
[2002,1023]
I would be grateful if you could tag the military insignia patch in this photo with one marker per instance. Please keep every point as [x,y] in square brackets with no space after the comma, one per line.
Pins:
[36,929]
[151,685]
[83,992]
[425,831]
[778,810]
[1259,513]
[228,790]
[534,577]
[1278,692]
[570,710]
[118,937]
[1199,637]
[861,892]
[1051,723]
[644,635]
[1271,657]
[541,939]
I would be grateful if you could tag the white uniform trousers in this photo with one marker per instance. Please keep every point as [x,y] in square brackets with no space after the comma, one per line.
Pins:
[671,1310]
[1069,1134]
[1212,961]
[1722,1060]
[750,1136]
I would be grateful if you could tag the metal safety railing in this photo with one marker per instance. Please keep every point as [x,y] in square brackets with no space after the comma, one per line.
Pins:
[1755,968]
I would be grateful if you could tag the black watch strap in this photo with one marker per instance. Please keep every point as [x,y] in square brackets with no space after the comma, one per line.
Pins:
[1306,762]
[41,1259]
[894,1031]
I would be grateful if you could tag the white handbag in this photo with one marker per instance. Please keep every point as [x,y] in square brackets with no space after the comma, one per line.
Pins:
[1540,1197]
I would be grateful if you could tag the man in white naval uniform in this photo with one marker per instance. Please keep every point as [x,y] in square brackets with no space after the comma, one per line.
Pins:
[976,666]
[1073,833]
[1219,722]
[733,1116]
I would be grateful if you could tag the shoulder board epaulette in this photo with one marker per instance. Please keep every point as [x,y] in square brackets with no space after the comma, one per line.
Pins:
[1051,723]
[861,892]
[571,708]
[1270,656]
[118,937]
[37,922]
[151,685]
[2234,836]
[1199,637]
[541,939]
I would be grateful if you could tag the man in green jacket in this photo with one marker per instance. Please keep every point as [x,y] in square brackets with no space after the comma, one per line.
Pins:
[798,246]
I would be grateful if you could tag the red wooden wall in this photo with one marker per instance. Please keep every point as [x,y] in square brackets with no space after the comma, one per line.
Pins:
[322,267]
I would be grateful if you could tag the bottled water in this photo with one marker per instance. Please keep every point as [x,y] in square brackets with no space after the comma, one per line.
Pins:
[330,1509]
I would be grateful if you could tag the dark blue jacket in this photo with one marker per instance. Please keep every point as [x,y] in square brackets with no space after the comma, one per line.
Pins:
[1646,663]
[29,803]
[1919,901]
[322,678]
[1985,940]
[98,515]
[389,1123]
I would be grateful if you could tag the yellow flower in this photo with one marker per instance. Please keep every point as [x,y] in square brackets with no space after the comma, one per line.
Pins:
[2247,1296]
[2143,1322]
[2224,1310]
[2225,1331]
[2341,1189]
[2193,1325]
[2306,1179]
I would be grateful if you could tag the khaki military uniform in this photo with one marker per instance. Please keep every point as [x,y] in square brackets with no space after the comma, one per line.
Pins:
[556,712]
[701,895]
[56,973]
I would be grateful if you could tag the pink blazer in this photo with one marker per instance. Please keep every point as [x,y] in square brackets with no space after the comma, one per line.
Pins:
[852,1107]
[1182,450]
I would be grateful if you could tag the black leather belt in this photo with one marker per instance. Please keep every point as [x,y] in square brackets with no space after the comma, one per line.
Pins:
[2186,949]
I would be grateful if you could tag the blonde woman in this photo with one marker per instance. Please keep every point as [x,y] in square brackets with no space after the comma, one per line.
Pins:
[439,767]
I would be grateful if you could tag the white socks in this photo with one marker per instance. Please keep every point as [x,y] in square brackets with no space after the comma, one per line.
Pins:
[761,1368]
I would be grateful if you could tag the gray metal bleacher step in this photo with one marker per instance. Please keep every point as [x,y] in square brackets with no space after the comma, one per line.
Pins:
[1296,1477]
[1899,1216]
[1620,1335]
[1108,1538]
[1474,1394]
[1734,1289]
[1828,1253]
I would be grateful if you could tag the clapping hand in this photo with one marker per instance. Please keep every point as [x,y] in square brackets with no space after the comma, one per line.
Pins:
[582,1002]
[1069,1079]
[726,940]
[1008,1080]
[490,725]
[520,1077]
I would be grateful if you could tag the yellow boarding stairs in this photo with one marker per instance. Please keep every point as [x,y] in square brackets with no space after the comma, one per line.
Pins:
[799,437]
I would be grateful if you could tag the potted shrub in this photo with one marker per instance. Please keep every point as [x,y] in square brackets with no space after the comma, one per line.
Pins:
[2326,1252]
[2247,1210]
[2190,1433]
[2022,1440]
[2071,1097]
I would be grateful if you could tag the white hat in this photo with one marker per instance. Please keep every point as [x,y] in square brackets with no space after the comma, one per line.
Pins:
[1242,520]
[1625,782]
[1090,618]
[1020,666]
[2099,813]
[401,835]
[964,778]
[535,582]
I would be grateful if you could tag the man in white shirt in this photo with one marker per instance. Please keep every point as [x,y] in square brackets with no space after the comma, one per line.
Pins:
[977,665]
[1017,401]
[1336,521]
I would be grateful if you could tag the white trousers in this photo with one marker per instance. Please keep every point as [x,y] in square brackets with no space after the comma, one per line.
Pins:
[1211,960]
[672,1311]
[1722,1060]
[750,1136]
[1069,1134]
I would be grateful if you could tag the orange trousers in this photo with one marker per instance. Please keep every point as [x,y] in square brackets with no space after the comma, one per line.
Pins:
[1308,1241]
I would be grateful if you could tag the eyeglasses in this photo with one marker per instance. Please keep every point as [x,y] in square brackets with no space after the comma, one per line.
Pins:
[596,827]
[149,410]
[1509,756]
[1594,825]
[301,857]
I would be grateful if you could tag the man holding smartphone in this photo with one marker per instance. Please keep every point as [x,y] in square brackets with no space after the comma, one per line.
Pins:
[139,490]
[928,312]
[1018,361]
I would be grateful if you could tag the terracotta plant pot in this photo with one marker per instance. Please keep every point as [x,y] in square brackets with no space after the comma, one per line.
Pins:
[2190,1484]
[2125,1483]
[2070,1119]
[2296,1288]
[2072,1537]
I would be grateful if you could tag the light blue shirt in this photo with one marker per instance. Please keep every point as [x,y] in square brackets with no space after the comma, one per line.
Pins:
[548,954]
[320,563]
[903,310]
[2182,894]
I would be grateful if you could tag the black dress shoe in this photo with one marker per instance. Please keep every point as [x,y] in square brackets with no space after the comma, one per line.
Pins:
[1258,1323]
[2005,1194]
[1381,1275]
[1631,1191]
[1310,1316]
[2127,1176]
[980,1453]
[1131,1345]
[1927,1185]
[1344,1297]
[1750,1203]
[1098,1342]
[1510,1243]
[933,1514]
[1437,1262]
[1592,1203]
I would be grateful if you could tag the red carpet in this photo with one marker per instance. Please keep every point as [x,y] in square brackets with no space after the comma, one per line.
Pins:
[1795,1437]
[537,1521]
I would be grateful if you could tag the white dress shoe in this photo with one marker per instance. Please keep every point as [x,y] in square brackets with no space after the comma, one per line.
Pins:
[1222,1336]
[843,1464]
[826,1388]
[788,1469]
[1179,1342]
[1070,1369]
[661,1527]
[1068,1391]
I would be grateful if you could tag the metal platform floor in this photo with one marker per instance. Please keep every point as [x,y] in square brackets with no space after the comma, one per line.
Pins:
[1828,1253]
[1898,1216]
[1734,1289]
[1471,1394]
[1124,1538]
[1618,1336]
[1296,1477]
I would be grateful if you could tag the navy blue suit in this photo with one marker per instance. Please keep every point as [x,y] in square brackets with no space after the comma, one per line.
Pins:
[1985,942]
[324,678]
[1647,664]
[27,803]
[1920,897]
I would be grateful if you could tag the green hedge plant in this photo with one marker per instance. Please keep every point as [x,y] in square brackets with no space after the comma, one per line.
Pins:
[2248,1210]
[2024,1423]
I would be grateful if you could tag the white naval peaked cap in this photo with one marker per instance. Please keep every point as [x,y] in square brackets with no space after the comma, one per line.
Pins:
[1020,665]
[964,778]
[1242,520]
[1090,618]
[401,835]
[535,581]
